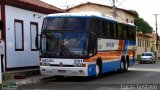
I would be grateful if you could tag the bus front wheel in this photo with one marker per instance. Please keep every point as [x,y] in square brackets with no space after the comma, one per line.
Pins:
[59,77]
[98,68]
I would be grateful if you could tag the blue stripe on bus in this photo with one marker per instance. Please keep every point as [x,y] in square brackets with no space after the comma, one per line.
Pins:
[125,44]
[110,66]
[91,69]
[107,67]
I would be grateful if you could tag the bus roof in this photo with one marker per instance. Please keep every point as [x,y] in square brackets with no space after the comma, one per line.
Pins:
[88,14]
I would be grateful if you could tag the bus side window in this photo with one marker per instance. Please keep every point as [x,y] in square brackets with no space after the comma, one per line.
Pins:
[125,32]
[94,25]
[92,46]
[111,30]
[105,29]
[108,27]
[101,30]
[120,33]
[114,30]
[129,32]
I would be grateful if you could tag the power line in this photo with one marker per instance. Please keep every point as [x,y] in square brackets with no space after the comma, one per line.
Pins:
[121,3]
[110,2]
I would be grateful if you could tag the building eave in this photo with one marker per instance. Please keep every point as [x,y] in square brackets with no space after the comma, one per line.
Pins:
[91,3]
[30,7]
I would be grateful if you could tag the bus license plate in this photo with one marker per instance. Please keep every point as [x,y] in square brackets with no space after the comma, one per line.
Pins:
[62,71]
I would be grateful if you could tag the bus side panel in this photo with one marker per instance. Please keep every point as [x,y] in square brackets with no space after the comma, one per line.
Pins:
[106,67]
[124,49]
[132,59]
[91,69]
[110,66]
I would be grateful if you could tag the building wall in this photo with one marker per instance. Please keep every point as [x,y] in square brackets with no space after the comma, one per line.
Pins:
[27,57]
[122,16]
[143,43]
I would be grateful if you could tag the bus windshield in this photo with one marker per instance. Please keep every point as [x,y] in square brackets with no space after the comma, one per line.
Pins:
[64,44]
[65,23]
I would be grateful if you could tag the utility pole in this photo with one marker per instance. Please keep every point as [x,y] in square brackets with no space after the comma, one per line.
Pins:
[156,29]
[114,9]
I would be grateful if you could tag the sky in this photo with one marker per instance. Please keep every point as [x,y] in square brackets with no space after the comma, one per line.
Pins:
[145,8]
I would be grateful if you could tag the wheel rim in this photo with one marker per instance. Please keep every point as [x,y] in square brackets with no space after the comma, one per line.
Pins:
[122,65]
[97,70]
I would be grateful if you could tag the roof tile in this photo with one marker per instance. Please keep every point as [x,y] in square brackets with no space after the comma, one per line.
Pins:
[40,4]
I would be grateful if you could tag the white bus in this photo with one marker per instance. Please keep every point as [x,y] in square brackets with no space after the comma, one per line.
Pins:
[81,44]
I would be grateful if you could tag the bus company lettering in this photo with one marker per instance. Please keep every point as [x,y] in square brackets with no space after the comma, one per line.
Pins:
[110,44]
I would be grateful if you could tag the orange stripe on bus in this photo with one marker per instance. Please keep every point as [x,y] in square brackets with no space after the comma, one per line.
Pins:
[120,46]
[108,55]
[104,56]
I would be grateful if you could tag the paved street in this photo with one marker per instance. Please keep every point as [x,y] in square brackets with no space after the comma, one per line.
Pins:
[139,74]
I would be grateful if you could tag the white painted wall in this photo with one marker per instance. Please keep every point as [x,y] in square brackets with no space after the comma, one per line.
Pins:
[21,58]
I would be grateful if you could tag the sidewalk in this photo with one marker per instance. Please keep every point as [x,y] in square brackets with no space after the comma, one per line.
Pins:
[14,83]
[15,78]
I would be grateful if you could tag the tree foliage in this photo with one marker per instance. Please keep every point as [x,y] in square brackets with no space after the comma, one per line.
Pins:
[141,24]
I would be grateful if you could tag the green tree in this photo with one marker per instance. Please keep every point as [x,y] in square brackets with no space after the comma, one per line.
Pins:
[141,24]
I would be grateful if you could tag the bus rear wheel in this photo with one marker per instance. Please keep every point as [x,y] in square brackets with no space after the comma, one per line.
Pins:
[126,66]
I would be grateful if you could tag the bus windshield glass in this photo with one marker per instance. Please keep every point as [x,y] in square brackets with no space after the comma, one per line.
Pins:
[65,23]
[64,44]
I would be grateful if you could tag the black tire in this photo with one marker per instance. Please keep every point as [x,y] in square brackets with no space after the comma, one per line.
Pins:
[152,62]
[59,77]
[126,64]
[140,62]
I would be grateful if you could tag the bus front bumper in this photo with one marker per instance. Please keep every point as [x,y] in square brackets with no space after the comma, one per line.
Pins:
[63,71]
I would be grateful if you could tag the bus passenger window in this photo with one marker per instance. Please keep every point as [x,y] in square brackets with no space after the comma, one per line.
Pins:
[94,25]
[114,30]
[108,29]
[92,48]
[120,33]
[101,31]
[125,32]
[129,33]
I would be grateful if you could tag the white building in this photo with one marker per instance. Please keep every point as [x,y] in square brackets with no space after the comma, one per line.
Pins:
[22,21]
